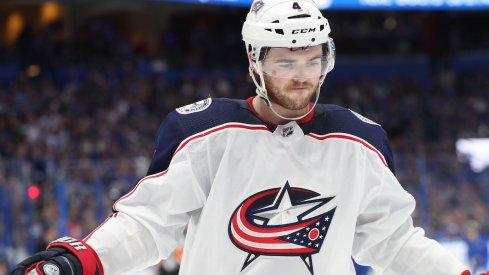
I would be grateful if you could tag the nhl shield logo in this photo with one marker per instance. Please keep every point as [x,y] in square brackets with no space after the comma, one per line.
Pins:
[287,221]
[287,131]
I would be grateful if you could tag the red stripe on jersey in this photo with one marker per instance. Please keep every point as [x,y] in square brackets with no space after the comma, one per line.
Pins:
[183,144]
[124,197]
[278,229]
[100,225]
[223,127]
[157,175]
[282,251]
[279,232]
[261,240]
[352,138]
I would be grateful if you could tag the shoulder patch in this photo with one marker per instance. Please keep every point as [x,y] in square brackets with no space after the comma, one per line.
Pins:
[195,107]
[364,119]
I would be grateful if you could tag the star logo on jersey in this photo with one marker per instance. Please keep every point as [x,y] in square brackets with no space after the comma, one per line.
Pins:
[287,221]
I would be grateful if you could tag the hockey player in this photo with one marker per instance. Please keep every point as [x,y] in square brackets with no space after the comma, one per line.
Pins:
[276,184]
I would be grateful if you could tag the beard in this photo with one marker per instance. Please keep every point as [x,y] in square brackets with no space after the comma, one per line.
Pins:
[292,100]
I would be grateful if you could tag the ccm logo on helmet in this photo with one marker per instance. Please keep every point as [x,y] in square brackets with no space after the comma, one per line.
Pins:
[303,30]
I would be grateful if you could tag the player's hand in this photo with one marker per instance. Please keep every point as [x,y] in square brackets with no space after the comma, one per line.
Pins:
[65,256]
[51,261]
[466,272]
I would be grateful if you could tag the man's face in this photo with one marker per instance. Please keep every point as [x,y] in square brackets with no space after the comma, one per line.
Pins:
[292,76]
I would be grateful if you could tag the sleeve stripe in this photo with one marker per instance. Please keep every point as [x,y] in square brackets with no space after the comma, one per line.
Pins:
[219,128]
[180,147]
[100,225]
[352,138]
[157,175]
[124,197]
[187,141]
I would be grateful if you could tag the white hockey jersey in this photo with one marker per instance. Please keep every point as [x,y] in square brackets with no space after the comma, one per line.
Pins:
[301,198]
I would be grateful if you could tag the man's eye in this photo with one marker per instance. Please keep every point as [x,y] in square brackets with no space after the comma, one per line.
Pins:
[285,65]
[313,64]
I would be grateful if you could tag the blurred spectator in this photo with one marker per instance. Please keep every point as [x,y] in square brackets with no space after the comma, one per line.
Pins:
[477,247]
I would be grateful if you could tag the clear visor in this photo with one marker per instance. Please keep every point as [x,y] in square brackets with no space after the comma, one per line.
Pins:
[296,63]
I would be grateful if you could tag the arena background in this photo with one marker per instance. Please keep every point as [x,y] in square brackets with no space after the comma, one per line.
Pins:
[85,84]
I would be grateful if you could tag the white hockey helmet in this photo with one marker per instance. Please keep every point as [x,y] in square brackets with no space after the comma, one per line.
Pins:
[285,24]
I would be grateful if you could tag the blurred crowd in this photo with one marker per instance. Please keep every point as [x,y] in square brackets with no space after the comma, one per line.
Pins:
[78,121]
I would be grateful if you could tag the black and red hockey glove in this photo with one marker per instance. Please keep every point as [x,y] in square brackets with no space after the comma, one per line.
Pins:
[466,272]
[64,256]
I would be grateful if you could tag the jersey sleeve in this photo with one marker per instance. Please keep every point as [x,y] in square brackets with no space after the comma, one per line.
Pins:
[385,237]
[148,222]
[385,149]
[167,140]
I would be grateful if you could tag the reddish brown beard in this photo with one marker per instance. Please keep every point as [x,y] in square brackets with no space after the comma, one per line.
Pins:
[280,97]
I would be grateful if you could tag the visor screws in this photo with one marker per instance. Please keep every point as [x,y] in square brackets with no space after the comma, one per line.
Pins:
[314,39]
[293,41]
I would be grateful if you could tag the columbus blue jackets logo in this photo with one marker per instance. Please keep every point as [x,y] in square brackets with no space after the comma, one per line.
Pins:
[287,221]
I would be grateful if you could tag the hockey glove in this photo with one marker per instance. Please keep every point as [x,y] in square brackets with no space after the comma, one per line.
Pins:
[64,256]
[466,272]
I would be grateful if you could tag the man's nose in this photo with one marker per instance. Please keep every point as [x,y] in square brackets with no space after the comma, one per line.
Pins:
[300,73]
[299,81]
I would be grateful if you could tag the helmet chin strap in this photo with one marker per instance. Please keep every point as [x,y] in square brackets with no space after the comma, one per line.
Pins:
[261,90]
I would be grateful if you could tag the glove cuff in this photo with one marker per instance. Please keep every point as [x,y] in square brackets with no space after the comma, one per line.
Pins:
[88,258]
[35,266]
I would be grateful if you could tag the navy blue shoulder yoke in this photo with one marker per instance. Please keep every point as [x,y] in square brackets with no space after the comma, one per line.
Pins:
[200,116]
